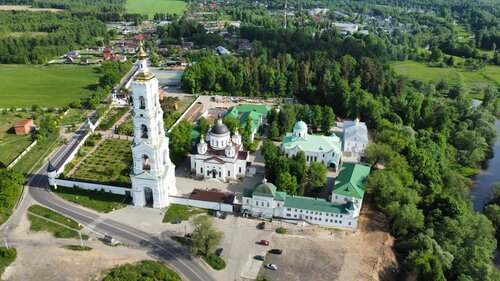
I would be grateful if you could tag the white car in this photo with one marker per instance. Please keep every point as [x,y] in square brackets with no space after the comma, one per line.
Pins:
[272,266]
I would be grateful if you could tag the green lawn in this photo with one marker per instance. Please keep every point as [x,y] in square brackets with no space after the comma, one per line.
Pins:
[489,75]
[150,7]
[215,261]
[7,256]
[47,86]
[37,155]
[109,164]
[97,200]
[39,224]
[143,270]
[11,145]
[181,212]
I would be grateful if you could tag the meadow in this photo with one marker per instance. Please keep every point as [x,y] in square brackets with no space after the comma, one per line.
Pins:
[11,145]
[150,7]
[52,86]
[489,75]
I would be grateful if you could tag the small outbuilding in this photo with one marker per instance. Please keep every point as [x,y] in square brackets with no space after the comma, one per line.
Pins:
[24,126]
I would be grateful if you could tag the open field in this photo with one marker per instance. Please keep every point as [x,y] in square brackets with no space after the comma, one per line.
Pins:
[11,145]
[109,164]
[150,7]
[54,86]
[29,8]
[489,75]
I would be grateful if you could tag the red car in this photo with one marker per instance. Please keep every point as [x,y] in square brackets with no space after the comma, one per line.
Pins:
[264,242]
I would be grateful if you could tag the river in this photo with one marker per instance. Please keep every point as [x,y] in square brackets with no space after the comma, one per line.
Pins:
[491,174]
[483,181]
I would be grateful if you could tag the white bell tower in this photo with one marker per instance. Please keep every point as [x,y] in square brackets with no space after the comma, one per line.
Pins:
[153,175]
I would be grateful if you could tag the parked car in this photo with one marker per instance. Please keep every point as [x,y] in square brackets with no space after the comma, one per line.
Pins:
[223,216]
[272,266]
[219,251]
[262,225]
[276,251]
[175,222]
[264,242]
[259,257]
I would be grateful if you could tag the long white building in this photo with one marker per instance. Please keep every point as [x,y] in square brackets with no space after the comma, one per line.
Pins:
[342,210]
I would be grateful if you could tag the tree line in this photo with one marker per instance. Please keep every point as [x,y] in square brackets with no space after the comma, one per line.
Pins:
[64,32]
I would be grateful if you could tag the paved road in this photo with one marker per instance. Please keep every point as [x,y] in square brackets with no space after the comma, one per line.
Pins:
[164,249]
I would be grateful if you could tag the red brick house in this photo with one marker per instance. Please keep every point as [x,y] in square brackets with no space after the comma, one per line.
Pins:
[107,53]
[24,126]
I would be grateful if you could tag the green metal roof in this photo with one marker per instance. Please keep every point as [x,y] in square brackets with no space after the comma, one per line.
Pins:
[247,192]
[313,143]
[301,125]
[265,189]
[252,111]
[349,182]
[280,196]
[314,204]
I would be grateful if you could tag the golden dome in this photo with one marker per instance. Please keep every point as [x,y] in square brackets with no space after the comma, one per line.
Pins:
[142,55]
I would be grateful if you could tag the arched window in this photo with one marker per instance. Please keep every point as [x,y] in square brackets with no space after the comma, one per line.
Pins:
[159,128]
[142,103]
[146,164]
[144,131]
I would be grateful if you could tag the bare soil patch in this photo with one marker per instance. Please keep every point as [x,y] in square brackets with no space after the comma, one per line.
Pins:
[28,8]
[315,253]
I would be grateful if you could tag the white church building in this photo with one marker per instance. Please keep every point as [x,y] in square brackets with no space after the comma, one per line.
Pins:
[222,158]
[355,138]
[322,149]
[153,174]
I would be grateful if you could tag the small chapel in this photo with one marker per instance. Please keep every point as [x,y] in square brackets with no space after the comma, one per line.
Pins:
[219,155]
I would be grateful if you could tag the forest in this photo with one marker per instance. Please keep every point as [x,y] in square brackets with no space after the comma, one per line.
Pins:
[38,37]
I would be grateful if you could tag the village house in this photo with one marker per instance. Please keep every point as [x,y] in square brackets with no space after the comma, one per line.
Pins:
[107,53]
[24,126]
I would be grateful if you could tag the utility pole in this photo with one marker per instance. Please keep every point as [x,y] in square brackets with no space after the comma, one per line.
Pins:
[286,4]
[81,241]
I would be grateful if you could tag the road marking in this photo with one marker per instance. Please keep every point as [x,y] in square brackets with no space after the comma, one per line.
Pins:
[95,223]
[130,233]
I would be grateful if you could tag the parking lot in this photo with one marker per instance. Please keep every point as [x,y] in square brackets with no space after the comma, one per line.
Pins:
[240,244]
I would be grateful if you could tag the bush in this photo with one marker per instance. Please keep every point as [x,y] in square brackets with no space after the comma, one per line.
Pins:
[143,270]
[215,261]
[7,256]
[281,230]
[77,248]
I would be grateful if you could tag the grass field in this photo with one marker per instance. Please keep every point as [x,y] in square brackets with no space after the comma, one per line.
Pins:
[39,224]
[489,75]
[53,86]
[150,7]
[109,164]
[11,145]
[181,212]
[97,200]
